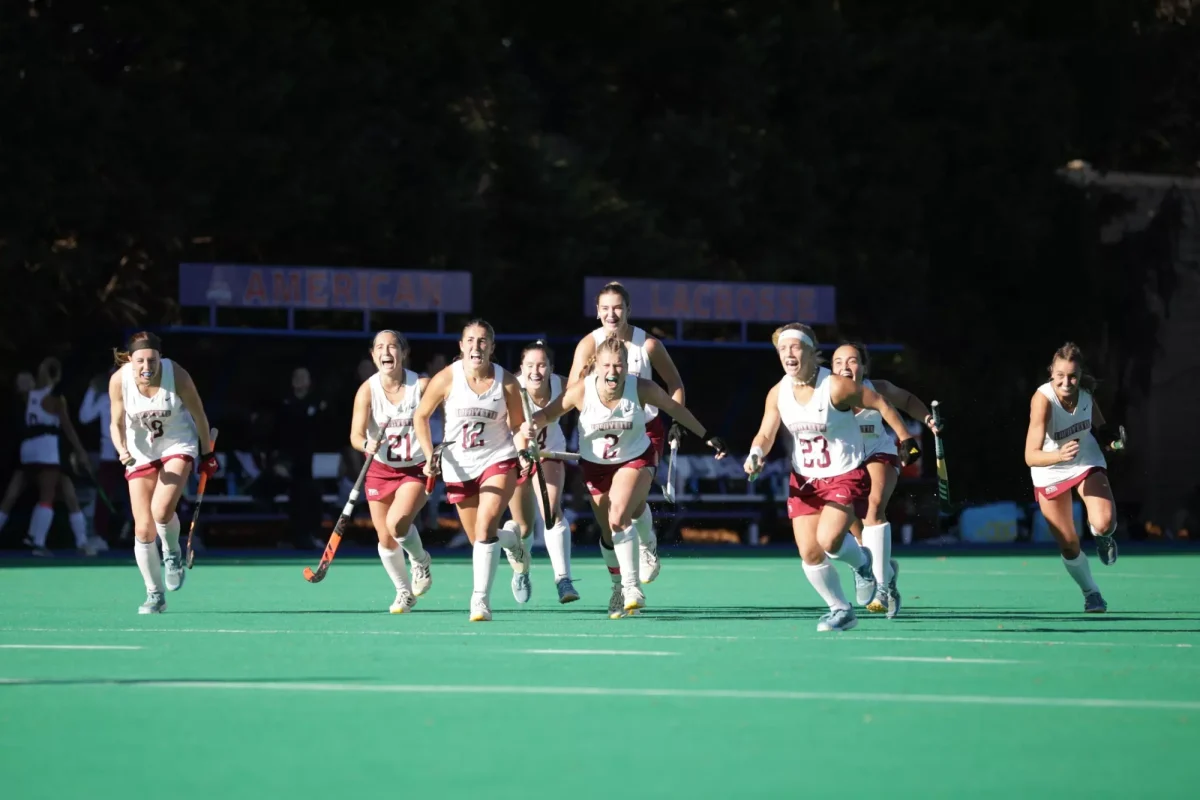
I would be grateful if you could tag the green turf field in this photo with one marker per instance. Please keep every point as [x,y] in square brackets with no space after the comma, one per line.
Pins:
[256,684]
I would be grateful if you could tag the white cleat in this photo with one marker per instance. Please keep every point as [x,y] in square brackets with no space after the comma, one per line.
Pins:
[480,612]
[404,602]
[156,603]
[648,564]
[635,600]
[173,571]
[422,577]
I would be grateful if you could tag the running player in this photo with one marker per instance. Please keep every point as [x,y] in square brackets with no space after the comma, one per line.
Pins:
[617,456]
[382,427]
[1064,451]
[647,355]
[156,413]
[817,407]
[479,458]
[46,417]
[882,462]
[539,381]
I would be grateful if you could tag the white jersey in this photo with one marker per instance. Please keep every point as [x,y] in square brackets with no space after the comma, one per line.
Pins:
[477,428]
[1063,427]
[400,447]
[877,436]
[828,442]
[39,445]
[612,435]
[158,426]
[639,359]
[551,436]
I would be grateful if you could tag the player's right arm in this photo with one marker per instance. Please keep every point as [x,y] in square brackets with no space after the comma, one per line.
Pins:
[764,440]
[435,394]
[570,399]
[584,351]
[1039,418]
[116,426]
[358,422]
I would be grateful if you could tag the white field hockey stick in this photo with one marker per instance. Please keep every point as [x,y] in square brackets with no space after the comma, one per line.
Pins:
[536,457]
[669,486]
[554,455]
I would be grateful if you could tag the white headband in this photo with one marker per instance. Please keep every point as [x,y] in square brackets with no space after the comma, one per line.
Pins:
[792,333]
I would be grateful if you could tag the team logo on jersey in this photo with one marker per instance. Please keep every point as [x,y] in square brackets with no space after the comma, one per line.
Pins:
[1078,427]
[482,413]
[808,427]
[1051,489]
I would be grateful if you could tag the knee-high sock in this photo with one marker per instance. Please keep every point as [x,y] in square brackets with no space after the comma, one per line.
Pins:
[39,524]
[169,533]
[413,545]
[644,525]
[485,557]
[824,578]
[78,528]
[1081,572]
[625,547]
[393,563]
[610,561]
[850,552]
[149,564]
[878,539]
[558,546]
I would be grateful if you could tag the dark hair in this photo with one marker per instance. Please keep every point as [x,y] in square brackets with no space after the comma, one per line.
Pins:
[480,322]
[142,340]
[864,358]
[1072,352]
[53,368]
[401,340]
[545,348]
[615,287]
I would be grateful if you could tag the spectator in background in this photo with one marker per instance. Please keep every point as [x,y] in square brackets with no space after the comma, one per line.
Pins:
[97,408]
[298,426]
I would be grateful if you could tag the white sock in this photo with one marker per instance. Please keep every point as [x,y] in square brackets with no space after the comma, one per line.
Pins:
[558,547]
[610,561]
[537,537]
[168,532]
[1081,572]
[825,580]
[78,527]
[878,539]
[150,565]
[485,557]
[393,562]
[39,524]
[850,552]
[644,525]
[3,519]
[626,551]
[509,535]
[413,545]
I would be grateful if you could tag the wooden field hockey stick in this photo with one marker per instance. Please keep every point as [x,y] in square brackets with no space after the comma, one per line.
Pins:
[191,554]
[939,449]
[536,458]
[339,527]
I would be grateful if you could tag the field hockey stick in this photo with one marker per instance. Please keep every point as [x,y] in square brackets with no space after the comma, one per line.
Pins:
[756,463]
[554,455]
[434,460]
[939,449]
[1120,443]
[191,554]
[669,486]
[339,527]
[535,457]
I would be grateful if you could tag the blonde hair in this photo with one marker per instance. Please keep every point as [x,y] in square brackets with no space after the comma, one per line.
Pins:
[804,330]
[1072,353]
[611,344]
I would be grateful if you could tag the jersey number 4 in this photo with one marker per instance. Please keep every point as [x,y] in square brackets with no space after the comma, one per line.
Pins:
[472,435]
[399,447]
[816,452]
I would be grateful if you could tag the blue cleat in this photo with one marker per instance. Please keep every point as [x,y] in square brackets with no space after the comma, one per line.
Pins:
[1093,603]
[842,619]
[864,582]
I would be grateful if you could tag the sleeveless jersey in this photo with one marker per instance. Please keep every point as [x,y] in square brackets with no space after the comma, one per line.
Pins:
[612,435]
[400,447]
[828,442]
[477,427]
[39,421]
[639,359]
[157,426]
[551,436]
[877,436]
[1062,428]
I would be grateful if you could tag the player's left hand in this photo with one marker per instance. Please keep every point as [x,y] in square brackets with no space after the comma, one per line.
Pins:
[676,433]
[933,426]
[910,451]
[525,457]
[718,444]
[208,464]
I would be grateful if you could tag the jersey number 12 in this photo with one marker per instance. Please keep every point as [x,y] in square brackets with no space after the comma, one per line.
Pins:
[472,435]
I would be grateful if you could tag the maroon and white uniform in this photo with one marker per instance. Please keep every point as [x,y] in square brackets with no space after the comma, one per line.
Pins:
[878,442]
[612,438]
[399,459]
[827,455]
[478,439]
[639,365]
[1066,426]
[157,428]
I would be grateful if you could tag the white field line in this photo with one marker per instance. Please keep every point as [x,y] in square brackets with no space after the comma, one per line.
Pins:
[941,660]
[595,652]
[69,647]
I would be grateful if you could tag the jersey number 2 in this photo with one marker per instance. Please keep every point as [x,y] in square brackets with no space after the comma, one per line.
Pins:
[610,446]
[472,435]
[399,447]
[816,452]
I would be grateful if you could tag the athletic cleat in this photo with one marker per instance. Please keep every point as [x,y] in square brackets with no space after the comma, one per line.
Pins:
[422,578]
[648,564]
[404,602]
[173,572]
[884,595]
[893,594]
[156,603]
[864,582]
[480,612]
[566,591]
[842,619]
[616,603]
[1093,603]
[518,558]
[522,587]
[1106,549]
[635,599]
